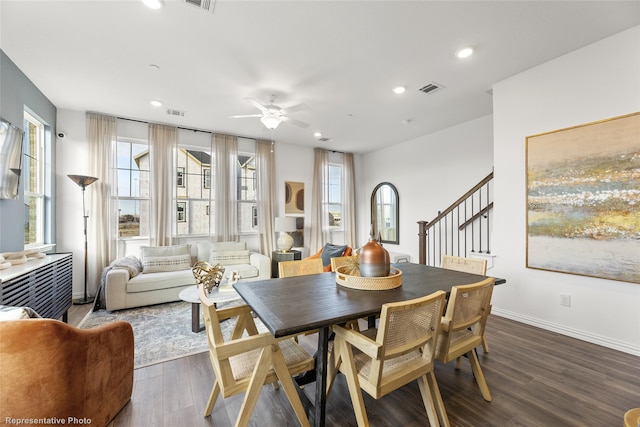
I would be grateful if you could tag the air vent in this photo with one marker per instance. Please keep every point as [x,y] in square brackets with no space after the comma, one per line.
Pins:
[208,5]
[176,112]
[431,87]
[324,139]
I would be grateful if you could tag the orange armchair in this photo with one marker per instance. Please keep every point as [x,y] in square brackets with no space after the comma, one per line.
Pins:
[50,369]
[346,251]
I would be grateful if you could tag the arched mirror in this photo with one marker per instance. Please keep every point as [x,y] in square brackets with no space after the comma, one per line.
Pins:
[385,213]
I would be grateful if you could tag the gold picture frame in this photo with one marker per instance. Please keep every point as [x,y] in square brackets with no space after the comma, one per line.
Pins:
[583,199]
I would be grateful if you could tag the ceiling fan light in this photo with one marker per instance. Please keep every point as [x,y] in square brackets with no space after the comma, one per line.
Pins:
[270,121]
[154,4]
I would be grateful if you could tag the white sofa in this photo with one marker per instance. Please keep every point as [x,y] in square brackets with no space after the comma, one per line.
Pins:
[166,271]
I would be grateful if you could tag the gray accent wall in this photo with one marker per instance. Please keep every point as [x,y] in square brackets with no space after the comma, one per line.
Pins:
[17,92]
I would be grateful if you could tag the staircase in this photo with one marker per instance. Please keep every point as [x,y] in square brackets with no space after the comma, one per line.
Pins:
[463,229]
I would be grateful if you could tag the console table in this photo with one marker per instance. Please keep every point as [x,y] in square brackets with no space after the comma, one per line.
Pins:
[43,284]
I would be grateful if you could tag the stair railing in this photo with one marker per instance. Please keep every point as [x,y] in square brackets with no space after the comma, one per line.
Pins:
[461,229]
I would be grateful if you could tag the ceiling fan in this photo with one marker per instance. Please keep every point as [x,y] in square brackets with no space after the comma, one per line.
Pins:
[271,115]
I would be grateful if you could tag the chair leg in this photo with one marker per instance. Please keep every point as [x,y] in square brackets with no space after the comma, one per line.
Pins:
[485,343]
[282,372]
[479,376]
[349,369]
[437,399]
[427,399]
[253,389]
[215,391]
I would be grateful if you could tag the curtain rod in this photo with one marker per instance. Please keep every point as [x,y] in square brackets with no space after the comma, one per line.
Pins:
[192,129]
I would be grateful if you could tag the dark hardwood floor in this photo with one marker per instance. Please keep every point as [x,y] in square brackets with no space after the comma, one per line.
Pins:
[536,378]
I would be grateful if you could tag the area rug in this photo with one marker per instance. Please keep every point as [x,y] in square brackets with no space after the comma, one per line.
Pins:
[161,332]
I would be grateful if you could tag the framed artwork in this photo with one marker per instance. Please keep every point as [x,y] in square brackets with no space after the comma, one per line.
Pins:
[298,235]
[294,198]
[583,199]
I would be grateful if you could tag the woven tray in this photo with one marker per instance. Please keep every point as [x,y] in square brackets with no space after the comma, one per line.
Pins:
[392,281]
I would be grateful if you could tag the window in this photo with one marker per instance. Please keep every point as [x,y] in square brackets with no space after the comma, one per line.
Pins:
[206,178]
[33,174]
[132,188]
[180,177]
[192,198]
[180,214]
[247,199]
[333,198]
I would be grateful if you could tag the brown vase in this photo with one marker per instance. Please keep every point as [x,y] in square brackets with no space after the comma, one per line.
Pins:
[374,259]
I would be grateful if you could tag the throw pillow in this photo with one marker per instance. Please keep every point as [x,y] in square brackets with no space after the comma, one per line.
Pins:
[164,251]
[156,264]
[330,251]
[225,258]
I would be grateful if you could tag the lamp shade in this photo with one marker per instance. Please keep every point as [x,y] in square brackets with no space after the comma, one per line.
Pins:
[270,121]
[285,223]
[82,180]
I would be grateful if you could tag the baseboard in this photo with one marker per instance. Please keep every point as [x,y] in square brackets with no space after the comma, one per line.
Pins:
[574,333]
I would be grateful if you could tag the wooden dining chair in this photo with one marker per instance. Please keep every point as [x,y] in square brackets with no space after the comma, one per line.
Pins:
[468,265]
[401,350]
[463,327]
[247,363]
[301,267]
[341,261]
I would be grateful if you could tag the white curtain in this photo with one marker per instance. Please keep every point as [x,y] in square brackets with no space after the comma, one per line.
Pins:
[226,184]
[162,147]
[265,164]
[319,216]
[349,205]
[102,247]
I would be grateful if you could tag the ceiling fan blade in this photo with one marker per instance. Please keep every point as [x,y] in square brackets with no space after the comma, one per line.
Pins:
[295,122]
[294,108]
[241,116]
[257,104]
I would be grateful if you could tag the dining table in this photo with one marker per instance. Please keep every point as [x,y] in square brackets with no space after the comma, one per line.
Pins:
[295,305]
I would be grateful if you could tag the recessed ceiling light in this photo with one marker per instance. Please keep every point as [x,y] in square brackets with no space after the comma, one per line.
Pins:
[317,134]
[156,103]
[399,89]
[154,67]
[465,52]
[154,4]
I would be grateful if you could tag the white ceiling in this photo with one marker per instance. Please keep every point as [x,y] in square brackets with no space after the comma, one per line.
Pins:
[342,58]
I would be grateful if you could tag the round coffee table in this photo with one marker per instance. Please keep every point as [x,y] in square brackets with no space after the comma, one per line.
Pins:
[224,293]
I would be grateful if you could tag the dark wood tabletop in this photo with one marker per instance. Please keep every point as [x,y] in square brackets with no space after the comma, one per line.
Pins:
[293,305]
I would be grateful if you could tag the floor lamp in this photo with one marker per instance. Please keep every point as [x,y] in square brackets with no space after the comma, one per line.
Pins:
[84,182]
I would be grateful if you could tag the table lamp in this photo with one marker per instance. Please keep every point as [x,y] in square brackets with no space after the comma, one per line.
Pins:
[285,224]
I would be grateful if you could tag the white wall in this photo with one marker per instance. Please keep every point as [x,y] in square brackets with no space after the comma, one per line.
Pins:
[429,172]
[72,158]
[596,82]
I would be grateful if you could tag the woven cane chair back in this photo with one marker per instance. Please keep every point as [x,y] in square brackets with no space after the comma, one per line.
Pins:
[467,265]
[301,267]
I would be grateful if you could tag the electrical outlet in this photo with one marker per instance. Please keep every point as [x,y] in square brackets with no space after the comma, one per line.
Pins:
[565,300]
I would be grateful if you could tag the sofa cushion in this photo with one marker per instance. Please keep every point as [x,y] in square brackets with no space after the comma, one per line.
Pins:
[204,249]
[162,251]
[164,280]
[229,257]
[156,264]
